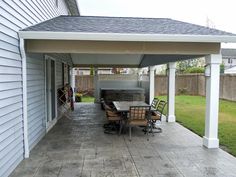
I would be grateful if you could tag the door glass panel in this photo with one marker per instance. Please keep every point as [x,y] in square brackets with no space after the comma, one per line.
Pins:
[53,88]
[47,89]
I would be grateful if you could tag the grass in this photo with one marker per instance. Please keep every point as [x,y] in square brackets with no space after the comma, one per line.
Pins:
[87,99]
[190,112]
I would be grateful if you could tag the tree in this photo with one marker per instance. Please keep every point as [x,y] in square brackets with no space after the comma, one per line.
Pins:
[182,66]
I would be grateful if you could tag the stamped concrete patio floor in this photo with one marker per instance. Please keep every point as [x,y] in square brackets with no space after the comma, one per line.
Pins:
[77,147]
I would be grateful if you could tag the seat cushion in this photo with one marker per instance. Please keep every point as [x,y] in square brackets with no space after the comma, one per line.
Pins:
[112,114]
[113,118]
[155,115]
[136,122]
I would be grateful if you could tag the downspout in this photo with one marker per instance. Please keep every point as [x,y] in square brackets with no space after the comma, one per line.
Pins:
[24,88]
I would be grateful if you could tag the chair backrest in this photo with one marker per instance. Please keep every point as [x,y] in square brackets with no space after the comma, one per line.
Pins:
[139,112]
[155,102]
[107,107]
[109,111]
[160,107]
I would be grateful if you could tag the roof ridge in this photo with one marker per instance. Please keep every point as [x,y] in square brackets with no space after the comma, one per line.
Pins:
[113,17]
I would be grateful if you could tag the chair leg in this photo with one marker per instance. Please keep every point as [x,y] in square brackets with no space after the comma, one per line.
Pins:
[159,130]
[120,127]
[147,128]
[129,133]
[151,125]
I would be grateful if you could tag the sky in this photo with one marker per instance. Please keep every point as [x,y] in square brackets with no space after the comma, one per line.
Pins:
[219,14]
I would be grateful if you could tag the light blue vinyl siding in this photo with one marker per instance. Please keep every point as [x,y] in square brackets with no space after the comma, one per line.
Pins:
[36,98]
[15,15]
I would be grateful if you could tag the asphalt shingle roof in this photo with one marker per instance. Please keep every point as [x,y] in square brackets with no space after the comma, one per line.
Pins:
[93,24]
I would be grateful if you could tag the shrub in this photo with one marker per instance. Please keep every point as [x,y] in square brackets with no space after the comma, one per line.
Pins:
[222,68]
[194,70]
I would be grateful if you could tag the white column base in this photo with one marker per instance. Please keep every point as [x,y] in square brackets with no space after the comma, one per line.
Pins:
[171,118]
[210,142]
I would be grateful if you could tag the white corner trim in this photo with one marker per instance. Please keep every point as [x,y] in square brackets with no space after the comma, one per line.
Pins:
[125,37]
[24,83]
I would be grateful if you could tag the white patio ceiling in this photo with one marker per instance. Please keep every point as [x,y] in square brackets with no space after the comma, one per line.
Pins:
[125,60]
[106,60]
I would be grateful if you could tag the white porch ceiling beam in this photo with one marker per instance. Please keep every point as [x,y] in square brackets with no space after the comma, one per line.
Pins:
[121,47]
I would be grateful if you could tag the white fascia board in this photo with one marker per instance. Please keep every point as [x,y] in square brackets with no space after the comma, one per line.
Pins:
[125,37]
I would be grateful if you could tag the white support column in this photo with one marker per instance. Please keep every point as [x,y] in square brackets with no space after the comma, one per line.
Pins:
[96,91]
[73,81]
[151,83]
[171,92]
[210,140]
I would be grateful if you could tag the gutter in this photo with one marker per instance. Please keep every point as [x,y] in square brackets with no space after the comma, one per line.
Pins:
[24,88]
[126,37]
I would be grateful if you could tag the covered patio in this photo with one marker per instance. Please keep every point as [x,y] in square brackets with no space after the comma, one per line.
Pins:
[78,147]
[133,42]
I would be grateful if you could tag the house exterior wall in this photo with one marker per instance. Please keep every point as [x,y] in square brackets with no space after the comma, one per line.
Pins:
[15,15]
[231,70]
[35,98]
[229,61]
[36,92]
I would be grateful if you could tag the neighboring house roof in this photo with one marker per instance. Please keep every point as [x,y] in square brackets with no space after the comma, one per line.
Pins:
[228,53]
[231,70]
[165,29]
[73,7]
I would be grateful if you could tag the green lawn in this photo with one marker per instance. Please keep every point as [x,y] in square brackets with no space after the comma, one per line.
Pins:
[87,99]
[190,112]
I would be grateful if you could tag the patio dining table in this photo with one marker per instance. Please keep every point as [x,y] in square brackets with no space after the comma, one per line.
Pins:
[124,106]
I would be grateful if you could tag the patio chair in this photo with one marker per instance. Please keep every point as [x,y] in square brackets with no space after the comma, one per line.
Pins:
[113,118]
[157,115]
[139,116]
[154,103]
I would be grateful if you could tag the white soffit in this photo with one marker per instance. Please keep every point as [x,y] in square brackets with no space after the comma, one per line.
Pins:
[106,59]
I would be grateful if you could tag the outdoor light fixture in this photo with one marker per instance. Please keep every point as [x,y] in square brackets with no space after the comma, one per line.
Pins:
[207,70]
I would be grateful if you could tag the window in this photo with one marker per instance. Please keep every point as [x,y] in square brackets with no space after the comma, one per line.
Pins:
[230,61]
